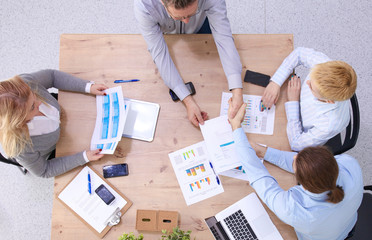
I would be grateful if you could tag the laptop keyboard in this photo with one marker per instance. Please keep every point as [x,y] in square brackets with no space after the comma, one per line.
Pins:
[215,233]
[239,226]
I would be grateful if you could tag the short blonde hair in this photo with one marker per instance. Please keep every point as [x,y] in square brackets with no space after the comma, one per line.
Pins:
[336,80]
[14,134]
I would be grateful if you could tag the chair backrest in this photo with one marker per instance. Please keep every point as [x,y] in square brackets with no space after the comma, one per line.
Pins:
[352,131]
[363,229]
[9,161]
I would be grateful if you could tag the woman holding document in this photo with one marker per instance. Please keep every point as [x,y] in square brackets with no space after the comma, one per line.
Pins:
[323,205]
[30,118]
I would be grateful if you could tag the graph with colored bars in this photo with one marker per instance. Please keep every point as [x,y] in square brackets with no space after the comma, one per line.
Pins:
[189,154]
[250,120]
[193,171]
[200,183]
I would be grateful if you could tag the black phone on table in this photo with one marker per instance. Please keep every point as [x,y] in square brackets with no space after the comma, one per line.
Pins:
[105,194]
[115,170]
[189,86]
[257,78]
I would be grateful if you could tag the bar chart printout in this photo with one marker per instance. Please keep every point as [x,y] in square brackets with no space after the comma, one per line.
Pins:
[194,173]
[257,119]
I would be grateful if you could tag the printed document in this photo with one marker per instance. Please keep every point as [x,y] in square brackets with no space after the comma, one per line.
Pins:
[257,119]
[218,137]
[195,174]
[90,207]
[110,121]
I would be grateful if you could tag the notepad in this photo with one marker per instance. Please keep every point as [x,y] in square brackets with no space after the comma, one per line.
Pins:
[90,207]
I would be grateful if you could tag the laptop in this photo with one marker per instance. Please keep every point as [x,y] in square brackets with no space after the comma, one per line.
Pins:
[245,219]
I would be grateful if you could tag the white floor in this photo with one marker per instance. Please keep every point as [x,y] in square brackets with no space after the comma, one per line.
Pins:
[29,41]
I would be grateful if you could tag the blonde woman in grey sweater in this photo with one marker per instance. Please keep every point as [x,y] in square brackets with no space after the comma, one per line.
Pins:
[30,119]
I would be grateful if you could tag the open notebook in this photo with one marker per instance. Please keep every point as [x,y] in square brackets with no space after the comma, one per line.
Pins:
[90,208]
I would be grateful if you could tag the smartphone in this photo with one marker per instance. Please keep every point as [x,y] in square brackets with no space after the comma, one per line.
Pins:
[189,86]
[257,78]
[105,194]
[115,170]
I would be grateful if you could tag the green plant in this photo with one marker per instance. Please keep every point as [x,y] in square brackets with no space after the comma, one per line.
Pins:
[177,234]
[130,236]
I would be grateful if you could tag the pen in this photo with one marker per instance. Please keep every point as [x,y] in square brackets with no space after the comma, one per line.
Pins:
[218,180]
[89,184]
[124,81]
[263,145]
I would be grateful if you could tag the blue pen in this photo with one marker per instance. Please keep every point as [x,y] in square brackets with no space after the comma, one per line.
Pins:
[124,81]
[89,184]
[218,180]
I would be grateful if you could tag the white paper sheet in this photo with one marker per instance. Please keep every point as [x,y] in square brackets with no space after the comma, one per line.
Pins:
[194,173]
[257,119]
[219,140]
[110,121]
[90,206]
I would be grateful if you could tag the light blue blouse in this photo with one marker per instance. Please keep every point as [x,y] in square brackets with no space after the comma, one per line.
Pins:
[310,214]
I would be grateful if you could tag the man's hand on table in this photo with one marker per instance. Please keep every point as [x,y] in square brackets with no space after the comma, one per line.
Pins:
[195,115]
[236,102]
[271,94]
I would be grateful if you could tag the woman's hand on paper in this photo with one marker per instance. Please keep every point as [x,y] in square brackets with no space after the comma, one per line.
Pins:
[98,89]
[195,115]
[271,94]
[94,155]
[236,121]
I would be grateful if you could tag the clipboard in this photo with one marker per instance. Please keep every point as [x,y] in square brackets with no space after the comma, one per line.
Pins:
[115,216]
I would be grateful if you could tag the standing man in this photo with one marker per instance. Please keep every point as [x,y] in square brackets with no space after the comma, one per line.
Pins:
[156,17]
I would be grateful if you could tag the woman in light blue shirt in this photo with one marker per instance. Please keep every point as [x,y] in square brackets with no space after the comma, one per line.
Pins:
[324,205]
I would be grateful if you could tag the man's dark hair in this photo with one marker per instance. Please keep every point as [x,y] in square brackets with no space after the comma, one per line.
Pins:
[178,4]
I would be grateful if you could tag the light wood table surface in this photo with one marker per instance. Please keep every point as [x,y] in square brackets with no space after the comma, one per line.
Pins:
[152,183]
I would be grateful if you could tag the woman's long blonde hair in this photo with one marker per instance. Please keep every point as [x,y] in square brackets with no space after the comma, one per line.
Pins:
[14,134]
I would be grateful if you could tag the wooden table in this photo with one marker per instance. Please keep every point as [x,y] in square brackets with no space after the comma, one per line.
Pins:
[152,183]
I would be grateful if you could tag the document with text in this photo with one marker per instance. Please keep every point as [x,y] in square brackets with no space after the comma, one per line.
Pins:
[218,138]
[195,173]
[258,119]
[110,121]
[90,207]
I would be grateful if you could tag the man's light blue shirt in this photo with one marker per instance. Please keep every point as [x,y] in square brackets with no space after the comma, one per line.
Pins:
[154,20]
[310,214]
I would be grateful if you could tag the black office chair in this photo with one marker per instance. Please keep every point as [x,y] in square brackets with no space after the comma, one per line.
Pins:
[336,145]
[13,162]
[363,227]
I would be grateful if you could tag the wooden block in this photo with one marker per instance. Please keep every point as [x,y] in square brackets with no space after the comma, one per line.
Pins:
[167,220]
[146,220]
